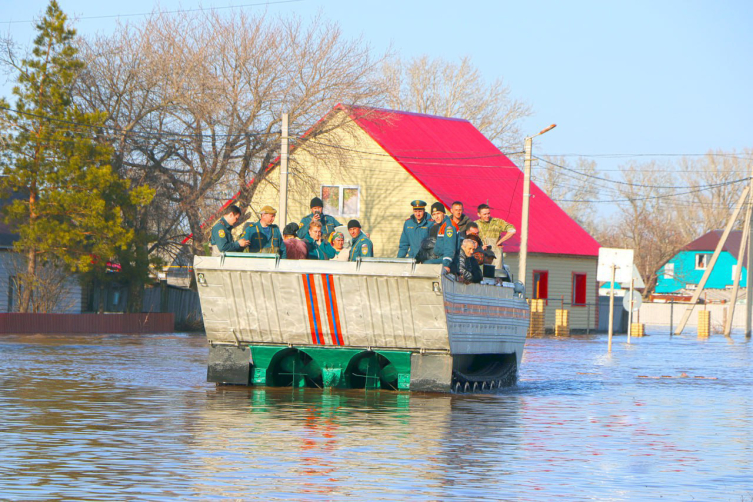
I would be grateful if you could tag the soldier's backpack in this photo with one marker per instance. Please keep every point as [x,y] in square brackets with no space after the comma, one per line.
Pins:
[426,252]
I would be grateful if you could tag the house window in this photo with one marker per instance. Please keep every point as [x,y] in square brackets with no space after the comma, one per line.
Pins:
[341,200]
[669,271]
[540,284]
[579,289]
[701,261]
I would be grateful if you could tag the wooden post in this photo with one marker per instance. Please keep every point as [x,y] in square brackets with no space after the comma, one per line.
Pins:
[588,316]
[749,282]
[630,314]
[710,267]
[611,309]
[738,271]
[284,150]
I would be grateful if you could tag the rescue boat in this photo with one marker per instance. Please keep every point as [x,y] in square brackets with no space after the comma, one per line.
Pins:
[373,323]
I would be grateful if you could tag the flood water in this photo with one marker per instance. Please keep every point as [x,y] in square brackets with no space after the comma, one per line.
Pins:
[131,417]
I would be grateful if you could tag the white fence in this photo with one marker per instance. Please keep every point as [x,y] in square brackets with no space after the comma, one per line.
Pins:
[664,314]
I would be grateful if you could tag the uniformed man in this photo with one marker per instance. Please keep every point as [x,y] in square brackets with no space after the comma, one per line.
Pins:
[317,214]
[447,237]
[222,237]
[415,230]
[361,245]
[264,236]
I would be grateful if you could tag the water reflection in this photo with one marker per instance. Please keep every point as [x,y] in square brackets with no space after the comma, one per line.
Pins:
[114,417]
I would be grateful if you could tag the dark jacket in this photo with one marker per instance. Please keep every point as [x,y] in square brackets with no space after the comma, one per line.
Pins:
[323,251]
[258,241]
[462,225]
[447,242]
[414,232]
[466,268]
[296,249]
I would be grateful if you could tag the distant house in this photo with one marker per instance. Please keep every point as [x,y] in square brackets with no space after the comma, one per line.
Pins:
[372,167]
[684,271]
[68,295]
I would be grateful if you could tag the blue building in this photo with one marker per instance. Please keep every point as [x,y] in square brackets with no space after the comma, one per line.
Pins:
[684,271]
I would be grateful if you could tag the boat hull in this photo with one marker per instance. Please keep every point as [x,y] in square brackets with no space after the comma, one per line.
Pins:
[371,323]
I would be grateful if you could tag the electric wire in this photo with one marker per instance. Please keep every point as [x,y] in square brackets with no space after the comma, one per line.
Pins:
[680,187]
[200,9]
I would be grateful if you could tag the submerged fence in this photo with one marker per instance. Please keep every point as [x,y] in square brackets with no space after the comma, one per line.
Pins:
[669,315]
[86,323]
[182,303]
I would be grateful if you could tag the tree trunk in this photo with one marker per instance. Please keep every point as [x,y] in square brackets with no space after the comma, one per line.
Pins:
[28,290]
[197,241]
[101,307]
[135,297]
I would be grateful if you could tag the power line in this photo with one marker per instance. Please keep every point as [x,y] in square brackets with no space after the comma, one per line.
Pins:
[713,185]
[126,132]
[665,196]
[629,155]
[111,16]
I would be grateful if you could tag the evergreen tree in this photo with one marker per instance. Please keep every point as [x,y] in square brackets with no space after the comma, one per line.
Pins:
[59,158]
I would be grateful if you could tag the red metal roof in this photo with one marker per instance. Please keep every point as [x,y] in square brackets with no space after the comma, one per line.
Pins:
[454,161]
[709,241]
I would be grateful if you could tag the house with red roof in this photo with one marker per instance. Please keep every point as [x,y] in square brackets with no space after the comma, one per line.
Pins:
[375,162]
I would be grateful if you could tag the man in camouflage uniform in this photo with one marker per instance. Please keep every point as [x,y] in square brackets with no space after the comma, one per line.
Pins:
[222,236]
[493,231]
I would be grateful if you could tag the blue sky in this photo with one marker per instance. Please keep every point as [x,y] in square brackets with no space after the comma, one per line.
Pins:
[638,77]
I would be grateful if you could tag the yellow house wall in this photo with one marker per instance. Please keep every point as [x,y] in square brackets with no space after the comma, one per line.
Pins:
[561,269]
[351,158]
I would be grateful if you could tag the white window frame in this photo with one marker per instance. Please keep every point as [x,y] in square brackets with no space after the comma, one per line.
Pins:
[669,271]
[705,261]
[341,199]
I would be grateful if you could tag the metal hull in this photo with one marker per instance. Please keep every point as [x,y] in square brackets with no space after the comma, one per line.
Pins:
[382,307]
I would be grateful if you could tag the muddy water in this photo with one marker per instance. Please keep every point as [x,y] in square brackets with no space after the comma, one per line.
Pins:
[131,417]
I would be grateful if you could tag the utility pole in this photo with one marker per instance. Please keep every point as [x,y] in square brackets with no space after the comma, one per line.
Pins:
[523,254]
[611,308]
[714,257]
[738,268]
[284,150]
[749,281]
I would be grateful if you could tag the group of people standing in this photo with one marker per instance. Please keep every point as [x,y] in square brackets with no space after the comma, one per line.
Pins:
[315,238]
[458,243]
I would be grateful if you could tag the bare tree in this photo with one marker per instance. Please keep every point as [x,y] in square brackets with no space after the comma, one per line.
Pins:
[644,222]
[449,89]
[575,187]
[53,288]
[194,102]
[713,194]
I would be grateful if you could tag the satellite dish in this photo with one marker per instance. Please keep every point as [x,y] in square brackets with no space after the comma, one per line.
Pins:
[637,301]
